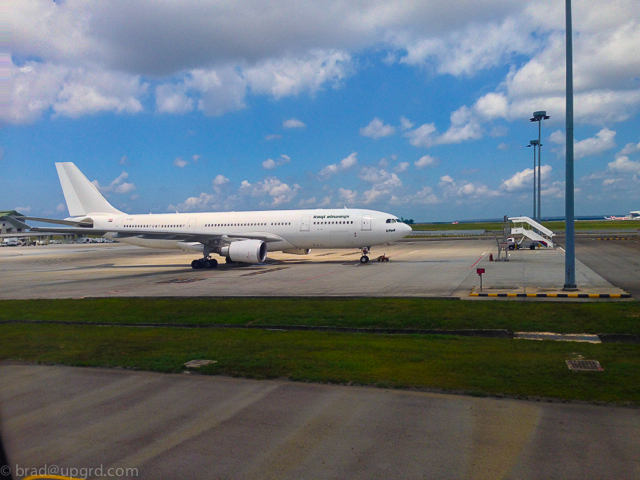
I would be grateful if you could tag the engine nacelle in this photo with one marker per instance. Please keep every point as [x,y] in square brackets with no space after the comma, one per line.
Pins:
[298,251]
[246,251]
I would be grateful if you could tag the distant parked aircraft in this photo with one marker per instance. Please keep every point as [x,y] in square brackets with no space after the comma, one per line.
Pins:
[631,216]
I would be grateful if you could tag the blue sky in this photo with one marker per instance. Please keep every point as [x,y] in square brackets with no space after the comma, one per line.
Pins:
[417,108]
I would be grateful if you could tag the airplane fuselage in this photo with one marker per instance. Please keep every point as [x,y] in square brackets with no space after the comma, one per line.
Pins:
[292,229]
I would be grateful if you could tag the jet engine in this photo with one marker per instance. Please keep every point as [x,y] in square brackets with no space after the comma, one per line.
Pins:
[246,251]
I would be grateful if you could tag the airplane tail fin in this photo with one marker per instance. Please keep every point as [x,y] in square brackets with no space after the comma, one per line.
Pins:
[81,195]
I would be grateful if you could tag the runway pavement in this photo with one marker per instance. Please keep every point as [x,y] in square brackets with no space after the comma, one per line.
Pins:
[417,268]
[199,427]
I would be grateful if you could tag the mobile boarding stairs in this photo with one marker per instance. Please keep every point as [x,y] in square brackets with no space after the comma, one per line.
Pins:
[528,228]
[539,234]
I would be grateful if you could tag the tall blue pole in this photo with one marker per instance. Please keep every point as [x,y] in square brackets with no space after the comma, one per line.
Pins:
[534,182]
[539,168]
[570,247]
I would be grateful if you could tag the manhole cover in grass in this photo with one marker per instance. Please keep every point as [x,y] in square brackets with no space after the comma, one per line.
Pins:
[586,365]
[199,363]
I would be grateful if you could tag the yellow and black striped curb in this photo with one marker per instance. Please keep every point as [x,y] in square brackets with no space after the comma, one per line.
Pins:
[618,238]
[553,295]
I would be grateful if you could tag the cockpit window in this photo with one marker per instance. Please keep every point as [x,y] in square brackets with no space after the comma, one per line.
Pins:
[391,220]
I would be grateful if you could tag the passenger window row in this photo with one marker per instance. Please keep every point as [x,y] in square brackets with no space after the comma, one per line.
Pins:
[245,224]
[235,224]
[332,223]
[153,226]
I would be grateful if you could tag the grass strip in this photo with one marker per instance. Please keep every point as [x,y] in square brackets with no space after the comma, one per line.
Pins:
[477,366]
[425,314]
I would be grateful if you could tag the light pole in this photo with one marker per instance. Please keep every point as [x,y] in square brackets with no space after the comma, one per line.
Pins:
[533,144]
[570,246]
[538,117]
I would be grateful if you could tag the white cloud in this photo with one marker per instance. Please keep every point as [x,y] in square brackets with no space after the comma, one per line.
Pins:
[180,162]
[503,146]
[345,164]
[280,193]
[610,181]
[173,99]
[37,88]
[199,203]
[452,189]
[401,167]
[280,49]
[377,129]
[124,160]
[426,161]
[425,196]
[558,137]
[628,149]
[379,177]
[23,210]
[125,188]
[603,141]
[465,125]
[384,184]
[118,185]
[221,91]
[492,105]
[474,48]
[499,131]
[196,157]
[290,76]
[446,180]
[624,165]
[220,180]
[61,207]
[293,123]
[524,179]
[270,164]
[405,124]
[272,137]
[349,161]
[556,190]
[348,197]
[423,136]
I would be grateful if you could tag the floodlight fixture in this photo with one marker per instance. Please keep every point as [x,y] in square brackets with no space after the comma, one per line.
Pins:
[538,117]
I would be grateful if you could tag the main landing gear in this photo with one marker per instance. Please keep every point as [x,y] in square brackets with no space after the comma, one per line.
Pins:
[364,258]
[204,263]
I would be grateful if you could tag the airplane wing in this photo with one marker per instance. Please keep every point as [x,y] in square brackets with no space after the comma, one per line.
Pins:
[73,223]
[85,227]
[206,239]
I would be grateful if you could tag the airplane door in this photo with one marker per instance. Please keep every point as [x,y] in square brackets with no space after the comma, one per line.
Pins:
[192,224]
[366,223]
[304,224]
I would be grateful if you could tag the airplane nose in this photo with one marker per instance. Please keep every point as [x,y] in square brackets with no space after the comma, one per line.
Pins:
[405,229]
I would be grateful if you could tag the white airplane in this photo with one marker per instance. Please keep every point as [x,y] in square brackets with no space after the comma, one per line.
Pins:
[244,237]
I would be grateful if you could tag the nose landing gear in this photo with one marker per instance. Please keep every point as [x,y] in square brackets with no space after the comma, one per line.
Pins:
[364,258]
